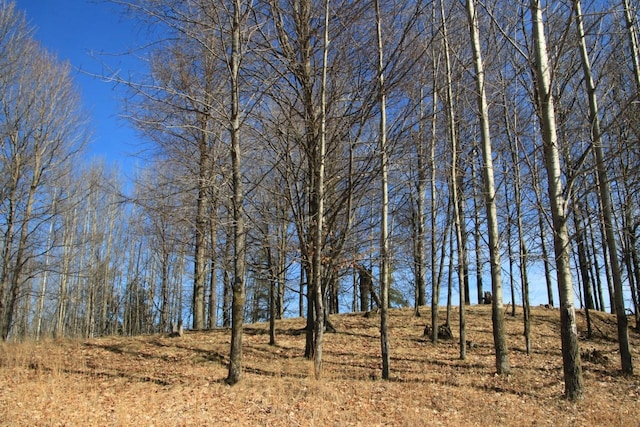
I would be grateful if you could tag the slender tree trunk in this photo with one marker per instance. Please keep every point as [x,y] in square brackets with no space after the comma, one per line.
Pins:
[596,269]
[584,268]
[226,283]
[605,197]
[634,269]
[509,232]
[179,272]
[632,260]
[435,280]
[499,337]
[319,219]
[455,197]
[43,284]
[630,22]
[605,252]
[272,278]
[282,264]
[237,308]
[419,255]
[477,237]
[569,332]
[545,252]
[302,285]
[523,255]
[200,263]
[384,227]
[450,281]
[212,318]
[309,345]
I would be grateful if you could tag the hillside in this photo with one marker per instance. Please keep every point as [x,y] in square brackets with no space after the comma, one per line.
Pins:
[157,380]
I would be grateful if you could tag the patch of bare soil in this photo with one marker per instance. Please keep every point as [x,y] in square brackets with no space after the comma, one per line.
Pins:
[163,381]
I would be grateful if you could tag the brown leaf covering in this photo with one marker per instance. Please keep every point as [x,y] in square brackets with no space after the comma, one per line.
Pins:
[162,381]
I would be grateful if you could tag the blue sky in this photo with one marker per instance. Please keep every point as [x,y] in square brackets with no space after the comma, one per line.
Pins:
[88,34]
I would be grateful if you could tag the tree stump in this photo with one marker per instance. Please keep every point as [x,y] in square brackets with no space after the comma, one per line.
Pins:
[444,332]
[488,298]
[176,329]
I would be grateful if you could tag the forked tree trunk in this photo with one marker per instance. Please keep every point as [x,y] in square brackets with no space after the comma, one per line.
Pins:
[319,171]
[455,195]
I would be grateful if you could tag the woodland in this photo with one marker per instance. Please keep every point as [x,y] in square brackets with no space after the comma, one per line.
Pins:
[160,380]
[304,159]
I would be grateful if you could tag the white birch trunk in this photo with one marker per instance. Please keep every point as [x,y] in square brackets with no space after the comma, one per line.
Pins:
[569,332]
[499,338]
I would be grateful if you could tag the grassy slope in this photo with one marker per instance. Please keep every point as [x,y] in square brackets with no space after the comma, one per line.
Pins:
[157,380]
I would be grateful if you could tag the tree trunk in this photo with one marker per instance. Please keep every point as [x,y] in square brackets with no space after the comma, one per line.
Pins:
[365,283]
[569,332]
[43,284]
[630,22]
[436,274]
[499,338]
[595,266]
[318,195]
[514,147]
[212,318]
[509,232]
[384,227]
[199,274]
[419,255]
[302,284]
[584,268]
[20,261]
[477,237]
[450,281]
[239,250]
[456,199]
[605,198]
[273,302]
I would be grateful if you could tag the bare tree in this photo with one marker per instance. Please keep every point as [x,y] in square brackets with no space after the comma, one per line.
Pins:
[240,13]
[384,227]
[499,338]
[42,130]
[605,194]
[631,21]
[455,182]
[569,333]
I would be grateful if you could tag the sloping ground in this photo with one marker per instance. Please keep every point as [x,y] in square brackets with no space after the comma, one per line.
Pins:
[162,381]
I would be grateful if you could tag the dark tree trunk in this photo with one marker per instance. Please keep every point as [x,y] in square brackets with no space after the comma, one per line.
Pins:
[366,285]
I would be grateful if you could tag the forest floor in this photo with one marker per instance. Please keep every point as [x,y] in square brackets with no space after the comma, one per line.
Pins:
[162,381]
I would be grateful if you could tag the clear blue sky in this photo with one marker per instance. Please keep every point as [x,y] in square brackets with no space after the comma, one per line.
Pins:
[88,33]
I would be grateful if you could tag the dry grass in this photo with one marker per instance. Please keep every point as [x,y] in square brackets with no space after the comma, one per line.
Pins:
[157,380]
